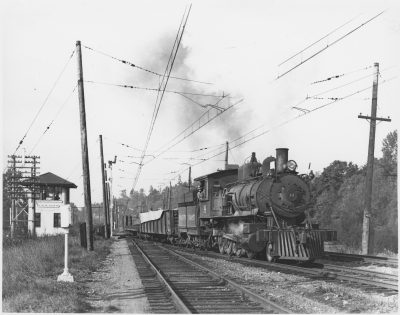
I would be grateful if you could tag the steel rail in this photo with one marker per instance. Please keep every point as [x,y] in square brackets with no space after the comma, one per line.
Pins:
[202,289]
[362,272]
[180,305]
[234,285]
[379,259]
[307,271]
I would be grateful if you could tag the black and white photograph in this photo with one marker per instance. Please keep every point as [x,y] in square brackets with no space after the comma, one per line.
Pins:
[188,156]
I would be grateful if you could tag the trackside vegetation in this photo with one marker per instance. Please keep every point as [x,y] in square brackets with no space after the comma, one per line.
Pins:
[31,267]
[339,200]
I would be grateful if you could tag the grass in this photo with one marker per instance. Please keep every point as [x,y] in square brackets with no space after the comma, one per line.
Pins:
[31,267]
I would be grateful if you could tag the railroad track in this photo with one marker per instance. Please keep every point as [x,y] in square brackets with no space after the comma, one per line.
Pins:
[379,260]
[193,288]
[363,279]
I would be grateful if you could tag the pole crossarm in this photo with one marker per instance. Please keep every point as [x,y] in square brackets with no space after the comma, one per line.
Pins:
[374,118]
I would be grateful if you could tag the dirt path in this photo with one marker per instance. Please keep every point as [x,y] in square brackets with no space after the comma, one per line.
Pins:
[116,285]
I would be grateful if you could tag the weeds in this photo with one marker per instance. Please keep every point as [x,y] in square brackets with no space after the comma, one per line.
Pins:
[31,267]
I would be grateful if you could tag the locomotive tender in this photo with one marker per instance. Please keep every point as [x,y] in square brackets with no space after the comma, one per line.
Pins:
[252,210]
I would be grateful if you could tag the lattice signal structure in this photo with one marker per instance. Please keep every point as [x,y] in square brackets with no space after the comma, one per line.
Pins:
[23,188]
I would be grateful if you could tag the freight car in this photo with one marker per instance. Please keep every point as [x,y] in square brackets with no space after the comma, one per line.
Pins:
[251,210]
[159,225]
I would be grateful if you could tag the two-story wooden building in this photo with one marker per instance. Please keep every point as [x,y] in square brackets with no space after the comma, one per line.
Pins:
[52,205]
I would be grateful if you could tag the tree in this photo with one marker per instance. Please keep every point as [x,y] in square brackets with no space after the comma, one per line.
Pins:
[325,188]
[389,150]
[339,199]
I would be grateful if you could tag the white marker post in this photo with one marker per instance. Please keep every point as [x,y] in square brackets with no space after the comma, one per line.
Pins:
[65,223]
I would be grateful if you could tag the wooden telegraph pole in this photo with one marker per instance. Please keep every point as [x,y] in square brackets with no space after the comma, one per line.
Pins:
[190,177]
[169,196]
[366,241]
[226,155]
[103,181]
[85,151]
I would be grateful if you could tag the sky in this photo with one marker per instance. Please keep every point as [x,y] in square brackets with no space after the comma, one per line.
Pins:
[237,46]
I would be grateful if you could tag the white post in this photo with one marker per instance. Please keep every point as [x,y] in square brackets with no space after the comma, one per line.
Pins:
[31,217]
[66,276]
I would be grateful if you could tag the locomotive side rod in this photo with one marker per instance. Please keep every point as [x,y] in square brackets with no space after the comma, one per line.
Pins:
[180,305]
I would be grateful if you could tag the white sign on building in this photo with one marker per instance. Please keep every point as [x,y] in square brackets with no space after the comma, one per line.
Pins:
[51,216]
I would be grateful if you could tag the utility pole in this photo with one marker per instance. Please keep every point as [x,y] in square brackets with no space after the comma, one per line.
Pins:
[366,240]
[103,181]
[111,202]
[190,177]
[226,155]
[85,151]
[169,196]
[13,210]
[108,208]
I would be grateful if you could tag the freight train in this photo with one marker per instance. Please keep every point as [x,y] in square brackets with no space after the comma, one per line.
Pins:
[257,209]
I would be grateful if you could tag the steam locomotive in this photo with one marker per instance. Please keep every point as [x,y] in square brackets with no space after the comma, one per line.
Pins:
[255,209]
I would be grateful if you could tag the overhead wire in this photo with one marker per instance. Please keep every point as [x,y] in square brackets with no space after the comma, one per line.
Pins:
[55,117]
[45,101]
[317,41]
[280,125]
[219,152]
[329,45]
[166,75]
[190,133]
[123,144]
[337,87]
[142,68]
[337,76]
[205,114]
[153,89]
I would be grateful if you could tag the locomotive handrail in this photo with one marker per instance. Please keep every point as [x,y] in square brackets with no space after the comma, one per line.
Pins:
[273,214]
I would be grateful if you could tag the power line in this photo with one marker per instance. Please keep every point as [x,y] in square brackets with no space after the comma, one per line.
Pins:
[197,123]
[55,117]
[316,42]
[154,89]
[329,45]
[335,88]
[45,101]
[166,75]
[123,144]
[142,68]
[192,129]
[281,124]
[340,75]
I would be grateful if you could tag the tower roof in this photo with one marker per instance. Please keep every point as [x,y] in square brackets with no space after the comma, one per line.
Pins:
[50,179]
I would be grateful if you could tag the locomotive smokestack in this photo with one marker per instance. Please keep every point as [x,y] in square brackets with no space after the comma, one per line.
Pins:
[281,159]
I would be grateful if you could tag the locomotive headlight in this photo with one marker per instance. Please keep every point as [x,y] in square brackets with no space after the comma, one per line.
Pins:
[291,165]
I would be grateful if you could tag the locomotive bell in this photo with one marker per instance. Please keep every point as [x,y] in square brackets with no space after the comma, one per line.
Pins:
[281,159]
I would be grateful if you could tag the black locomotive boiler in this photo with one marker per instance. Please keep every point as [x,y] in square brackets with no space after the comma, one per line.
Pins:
[255,209]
